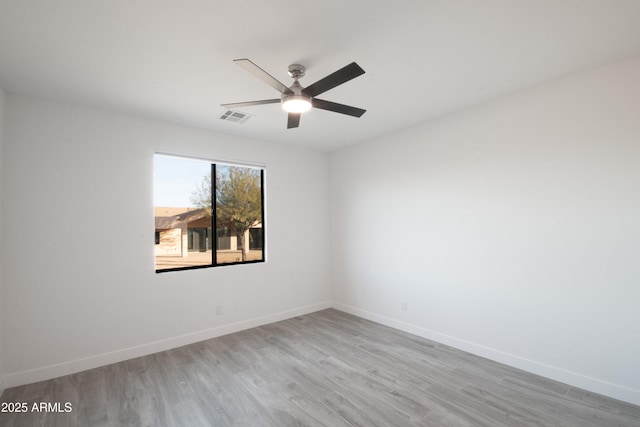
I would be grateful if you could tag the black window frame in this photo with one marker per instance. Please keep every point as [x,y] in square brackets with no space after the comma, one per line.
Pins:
[214,261]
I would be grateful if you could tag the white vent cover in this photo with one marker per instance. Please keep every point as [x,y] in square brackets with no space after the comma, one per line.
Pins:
[234,116]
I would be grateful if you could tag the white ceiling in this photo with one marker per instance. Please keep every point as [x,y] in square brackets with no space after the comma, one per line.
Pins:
[173,59]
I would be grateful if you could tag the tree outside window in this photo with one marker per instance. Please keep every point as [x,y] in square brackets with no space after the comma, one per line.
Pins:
[238,204]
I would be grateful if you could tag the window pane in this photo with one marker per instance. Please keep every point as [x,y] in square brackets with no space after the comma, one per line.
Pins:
[238,211]
[182,203]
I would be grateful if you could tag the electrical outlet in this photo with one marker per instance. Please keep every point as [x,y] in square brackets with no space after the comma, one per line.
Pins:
[403,305]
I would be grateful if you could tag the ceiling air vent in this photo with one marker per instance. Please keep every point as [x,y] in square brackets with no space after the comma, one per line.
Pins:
[234,116]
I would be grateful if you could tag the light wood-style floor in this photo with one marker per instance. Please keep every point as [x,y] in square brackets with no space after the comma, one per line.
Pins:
[327,368]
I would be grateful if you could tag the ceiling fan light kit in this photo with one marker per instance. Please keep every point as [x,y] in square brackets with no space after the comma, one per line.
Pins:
[297,99]
[296,103]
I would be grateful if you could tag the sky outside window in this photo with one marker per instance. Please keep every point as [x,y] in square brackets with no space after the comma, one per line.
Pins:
[176,178]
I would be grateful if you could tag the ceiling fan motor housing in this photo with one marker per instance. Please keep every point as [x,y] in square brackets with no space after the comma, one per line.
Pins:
[296,102]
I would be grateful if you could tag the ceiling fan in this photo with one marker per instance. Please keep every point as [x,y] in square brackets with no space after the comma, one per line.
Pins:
[297,99]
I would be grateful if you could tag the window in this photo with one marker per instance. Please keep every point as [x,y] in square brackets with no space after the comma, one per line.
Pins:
[207,214]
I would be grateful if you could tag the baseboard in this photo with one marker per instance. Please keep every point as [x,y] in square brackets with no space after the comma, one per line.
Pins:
[575,379]
[78,365]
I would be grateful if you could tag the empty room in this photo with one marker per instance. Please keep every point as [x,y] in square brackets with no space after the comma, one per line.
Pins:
[333,213]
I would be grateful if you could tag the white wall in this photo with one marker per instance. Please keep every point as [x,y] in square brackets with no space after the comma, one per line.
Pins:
[511,229]
[78,249]
[2,96]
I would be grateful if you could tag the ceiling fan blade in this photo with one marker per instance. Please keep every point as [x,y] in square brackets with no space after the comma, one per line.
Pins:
[263,75]
[250,103]
[293,120]
[343,75]
[337,108]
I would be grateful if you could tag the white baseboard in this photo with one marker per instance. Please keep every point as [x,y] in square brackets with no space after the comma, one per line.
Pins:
[575,379]
[47,372]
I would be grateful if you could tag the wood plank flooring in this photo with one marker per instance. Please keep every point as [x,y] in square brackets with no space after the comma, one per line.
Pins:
[324,369]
